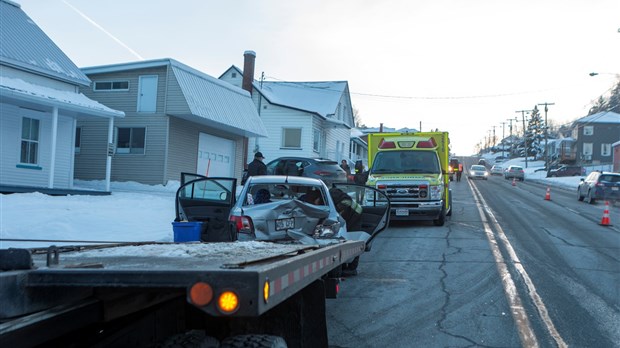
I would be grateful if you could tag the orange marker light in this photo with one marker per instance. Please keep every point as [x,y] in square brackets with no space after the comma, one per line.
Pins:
[228,302]
[201,294]
[266,291]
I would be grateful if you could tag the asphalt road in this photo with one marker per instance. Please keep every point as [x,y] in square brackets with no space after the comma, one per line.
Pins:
[508,269]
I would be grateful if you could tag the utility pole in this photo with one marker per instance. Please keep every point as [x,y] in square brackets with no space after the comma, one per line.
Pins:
[511,139]
[546,135]
[524,134]
[503,136]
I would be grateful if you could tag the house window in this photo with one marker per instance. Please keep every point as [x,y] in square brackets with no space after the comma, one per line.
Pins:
[605,149]
[588,130]
[291,138]
[111,86]
[316,140]
[587,149]
[234,75]
[30,141]
[130,140]
[78,139]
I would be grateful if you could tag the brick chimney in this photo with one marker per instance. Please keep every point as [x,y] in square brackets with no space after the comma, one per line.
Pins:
[248,70]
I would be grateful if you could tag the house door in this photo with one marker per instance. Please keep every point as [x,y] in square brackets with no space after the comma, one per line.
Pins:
[147,93]
[215,156]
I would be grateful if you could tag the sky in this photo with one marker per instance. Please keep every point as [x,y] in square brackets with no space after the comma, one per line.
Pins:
[133,212]
[466,67]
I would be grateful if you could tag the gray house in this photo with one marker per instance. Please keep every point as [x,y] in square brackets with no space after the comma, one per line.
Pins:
[595,135]
[305,119]
[177,119]
[40,105]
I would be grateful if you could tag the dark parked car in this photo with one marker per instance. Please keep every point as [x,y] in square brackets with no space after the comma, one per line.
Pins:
[320,168]
[565,171]
[599,185]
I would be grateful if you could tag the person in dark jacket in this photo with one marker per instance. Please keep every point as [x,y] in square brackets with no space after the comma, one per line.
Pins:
[257,167]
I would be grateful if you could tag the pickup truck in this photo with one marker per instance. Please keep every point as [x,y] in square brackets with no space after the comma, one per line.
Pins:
[224,293]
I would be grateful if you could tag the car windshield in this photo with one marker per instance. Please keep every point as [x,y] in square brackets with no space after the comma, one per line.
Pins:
[610,178]
[406,162]
[516,168]
[478,168]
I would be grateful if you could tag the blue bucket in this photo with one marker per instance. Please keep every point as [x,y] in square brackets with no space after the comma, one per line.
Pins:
[186,231]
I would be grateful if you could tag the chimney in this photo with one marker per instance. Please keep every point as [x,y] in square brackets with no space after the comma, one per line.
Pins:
[248,70]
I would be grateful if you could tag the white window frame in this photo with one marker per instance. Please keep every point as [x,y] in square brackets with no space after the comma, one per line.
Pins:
[115,86]
[588,130]
[287,133]
[606,150]
[316,140]
[30,142]
[587,149]
[124,150]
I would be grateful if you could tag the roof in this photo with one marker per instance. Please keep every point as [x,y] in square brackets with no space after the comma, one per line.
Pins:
[321,98]
[601,117]
[77,102]
[226,106]
[26,47]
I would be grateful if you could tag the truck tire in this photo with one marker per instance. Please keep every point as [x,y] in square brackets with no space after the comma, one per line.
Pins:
[190,339]
[441,220]
[351,266]
[254,341]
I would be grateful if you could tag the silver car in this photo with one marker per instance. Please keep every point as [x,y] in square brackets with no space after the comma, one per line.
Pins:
[478,171]
[278,208]
[514,172]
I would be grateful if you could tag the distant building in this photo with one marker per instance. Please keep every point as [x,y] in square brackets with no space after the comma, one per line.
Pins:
[595,135]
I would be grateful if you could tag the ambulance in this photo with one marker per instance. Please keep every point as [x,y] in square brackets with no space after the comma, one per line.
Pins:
[412,169]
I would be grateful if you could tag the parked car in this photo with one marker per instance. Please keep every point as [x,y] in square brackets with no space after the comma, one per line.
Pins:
[478,172]
[514,172]
[599,185]
[319,168]
[497,170]
[565,170]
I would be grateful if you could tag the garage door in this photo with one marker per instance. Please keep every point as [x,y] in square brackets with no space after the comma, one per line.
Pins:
[215,156]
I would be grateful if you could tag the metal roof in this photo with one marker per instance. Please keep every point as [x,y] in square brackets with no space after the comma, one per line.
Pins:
[26,47]
[227,107]
[321,98]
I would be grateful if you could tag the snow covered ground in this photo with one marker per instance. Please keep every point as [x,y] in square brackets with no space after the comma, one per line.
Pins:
[133,212]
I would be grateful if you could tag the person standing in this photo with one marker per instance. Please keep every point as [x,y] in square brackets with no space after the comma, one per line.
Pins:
[257,167]
[345,167]
[459,172]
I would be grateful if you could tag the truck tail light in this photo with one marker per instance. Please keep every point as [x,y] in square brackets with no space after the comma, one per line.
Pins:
[427,144]
[228,302]
[243,224]
[201,294]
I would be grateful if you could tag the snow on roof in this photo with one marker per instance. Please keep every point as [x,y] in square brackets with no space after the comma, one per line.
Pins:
[26,47]
[318,97]
[601,117]
[50,96]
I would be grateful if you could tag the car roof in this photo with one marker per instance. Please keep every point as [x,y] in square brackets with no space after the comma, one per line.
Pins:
[283,179]
[318,160]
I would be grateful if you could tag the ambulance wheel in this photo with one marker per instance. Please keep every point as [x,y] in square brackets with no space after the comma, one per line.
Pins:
[441,220]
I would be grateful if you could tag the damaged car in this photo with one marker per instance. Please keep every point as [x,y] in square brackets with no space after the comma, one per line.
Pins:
[282,209]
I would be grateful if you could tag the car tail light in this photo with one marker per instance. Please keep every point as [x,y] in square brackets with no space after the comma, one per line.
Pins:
[387,145]
[243,224]
[322,173]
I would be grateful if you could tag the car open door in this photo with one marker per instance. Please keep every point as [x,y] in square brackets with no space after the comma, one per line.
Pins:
[209,201]
[375,210]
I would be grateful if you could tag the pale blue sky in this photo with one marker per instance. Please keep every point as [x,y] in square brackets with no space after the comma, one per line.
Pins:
[460,66]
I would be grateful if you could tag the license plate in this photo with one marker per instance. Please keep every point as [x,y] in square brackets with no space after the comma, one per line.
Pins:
[402,212]
[285,224]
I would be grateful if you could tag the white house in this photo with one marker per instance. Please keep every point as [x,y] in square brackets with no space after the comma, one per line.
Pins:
[305,119]
[40,104]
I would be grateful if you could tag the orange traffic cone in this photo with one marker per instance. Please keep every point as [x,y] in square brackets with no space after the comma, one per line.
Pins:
[514,182]
[548,194]
[605,220]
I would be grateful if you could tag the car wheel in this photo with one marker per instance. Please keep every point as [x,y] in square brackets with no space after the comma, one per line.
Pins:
[579,196]
[441,220]
[591,199]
